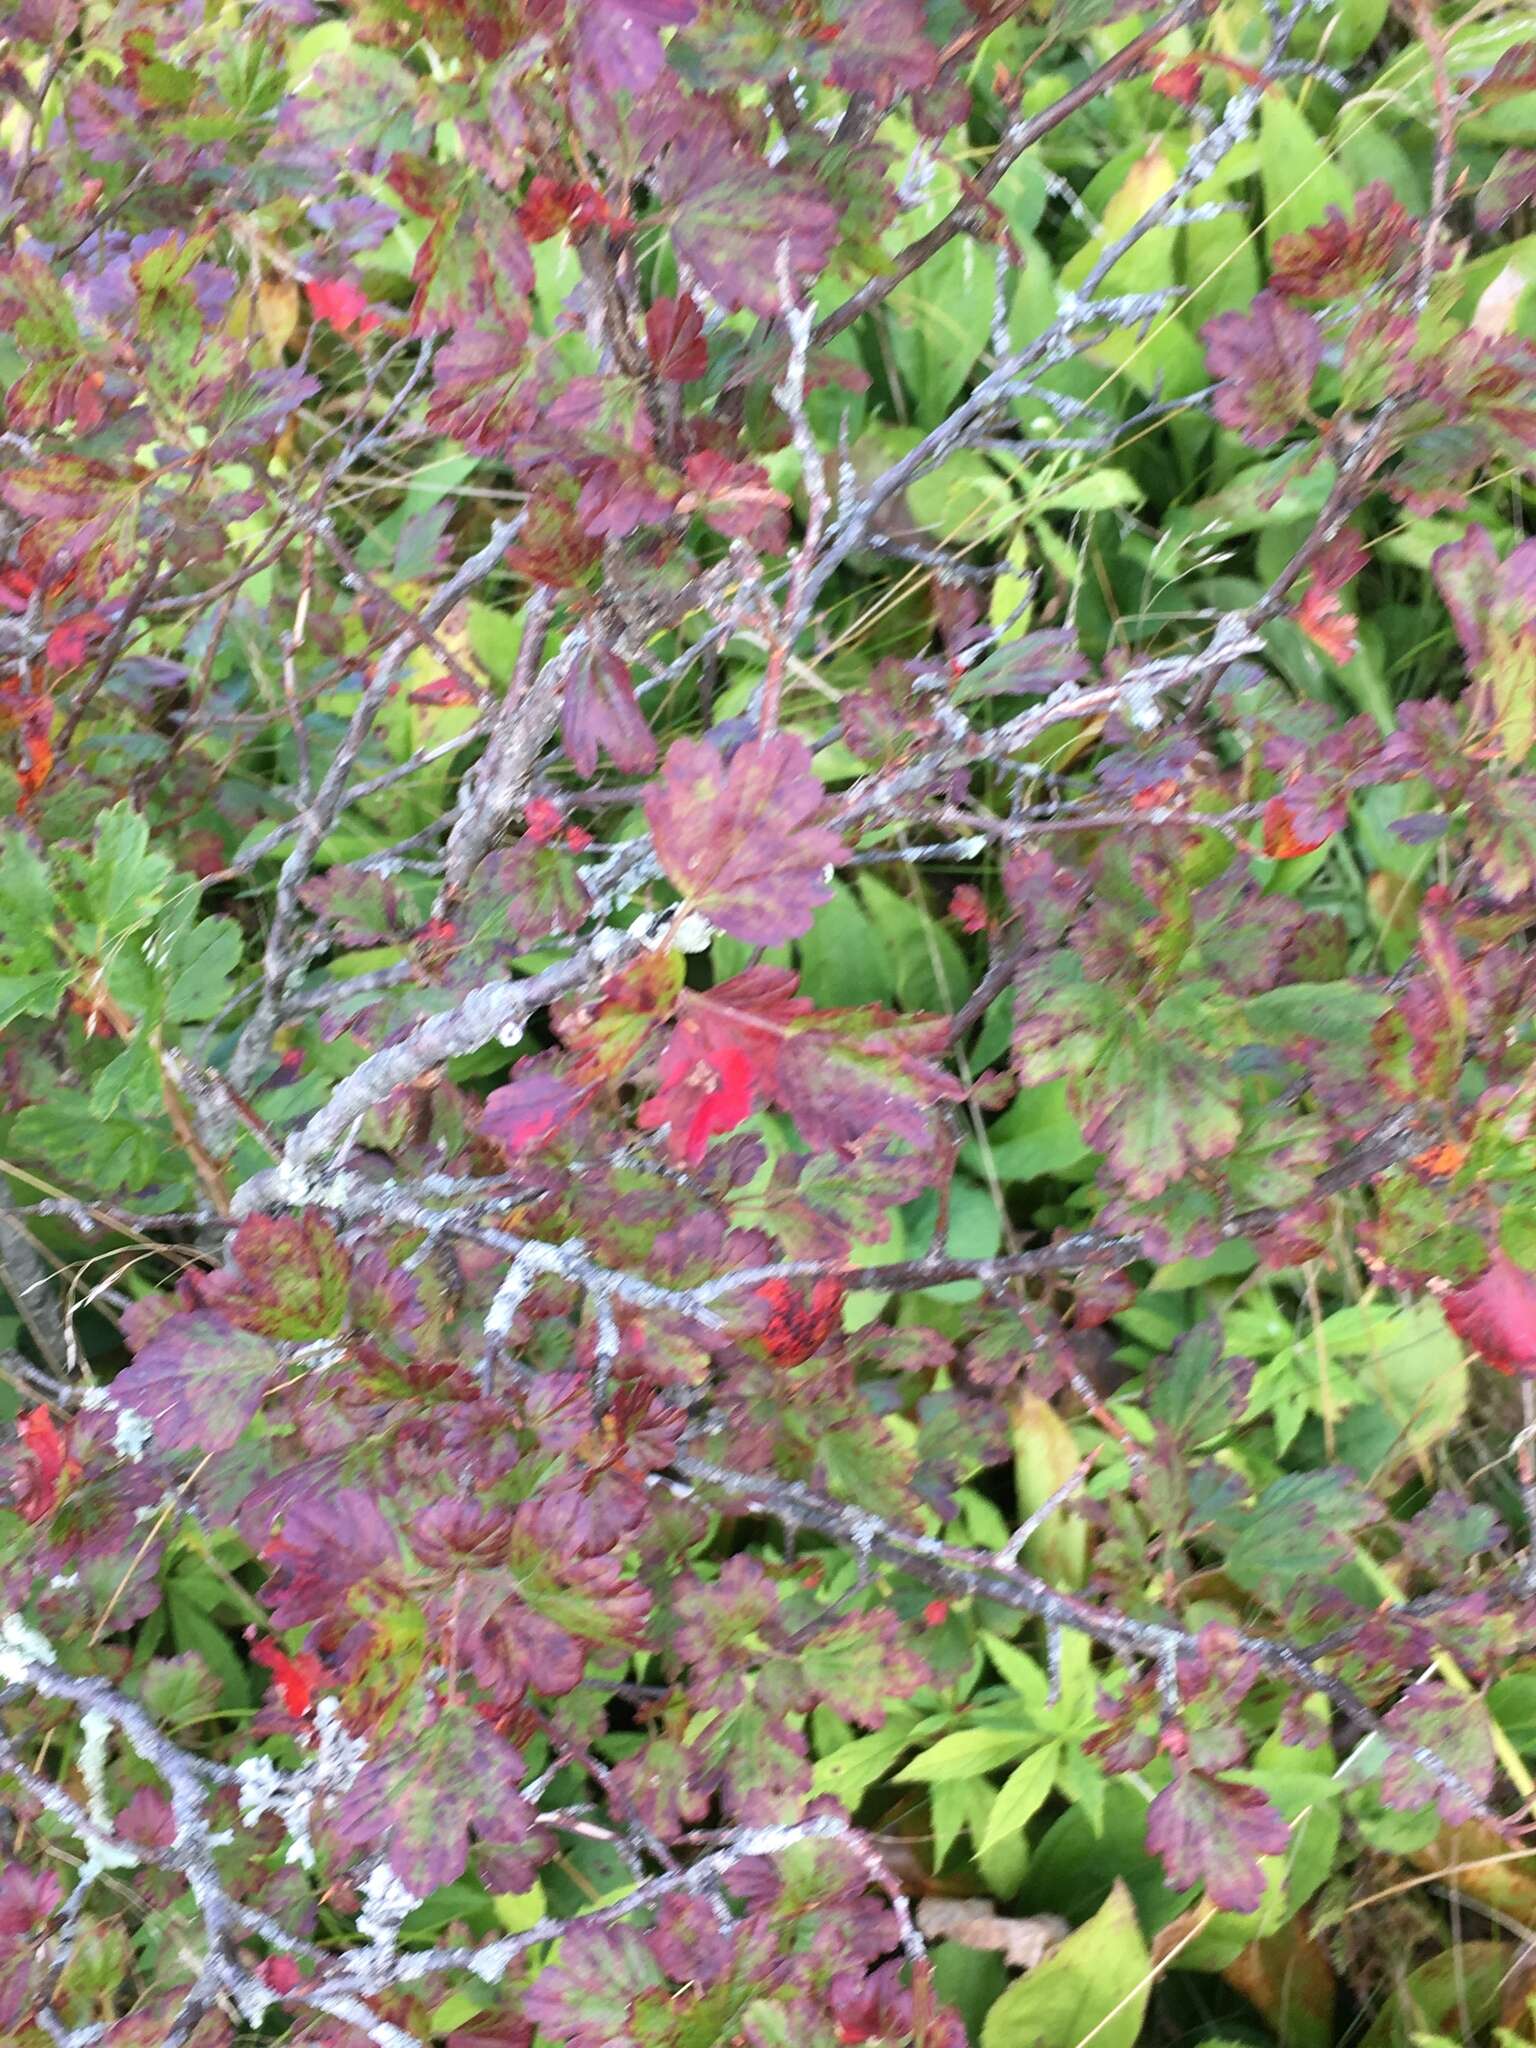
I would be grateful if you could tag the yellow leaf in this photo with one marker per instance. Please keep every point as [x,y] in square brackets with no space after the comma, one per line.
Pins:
[277,308]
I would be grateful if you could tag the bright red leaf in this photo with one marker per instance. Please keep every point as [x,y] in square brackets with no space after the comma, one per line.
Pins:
[1496,1315]
[341,304]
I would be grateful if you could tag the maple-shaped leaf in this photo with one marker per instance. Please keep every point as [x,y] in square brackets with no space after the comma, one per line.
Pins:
[1496,1315]
[82,516]
[1303,1525]
[848,1077]
[1340,257]
[736,839]
[1164,1111]
[29,1900]
[359,906]
[859,1668]
[289,1278]
[1210,1833]
[621,39]
[1321,614]
[732,213]
[328,1540]
[674,340]
[606,1991]
[1264,361]
[341,304]
[600,709]
[666,1785]
[198,1381]
[736,499]
[1453,1726]
[551,546]
[419,1800]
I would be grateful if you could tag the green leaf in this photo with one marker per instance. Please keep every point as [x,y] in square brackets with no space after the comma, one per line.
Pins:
[848,1773]
[940,318]
[843,963]
[102,1153]
[1095,1986]
[1301,1526]
[31,995]
[1337,1012]
[966,1755]
[197,968]
[1021,1671]
[1299,179]
[1022,1795]
[124,881]
[26,905]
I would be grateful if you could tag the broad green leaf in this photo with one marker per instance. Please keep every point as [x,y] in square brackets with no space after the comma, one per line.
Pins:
[1036,1134]
[1094,1987]
[1299,178]
[940,317]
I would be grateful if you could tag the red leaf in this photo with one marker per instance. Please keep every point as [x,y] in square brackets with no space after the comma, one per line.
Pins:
[737,840]
[295,1678]
[1327,625]
[705,1090]
[797,1328]
[543,820]
[550,208]
[198,1381]
[529,1110]
[1179,82]
[68,643]
[968,908]
[444,690]
[48,1466]
[732,213]
[1206,1831]
[1340,257]
[1496,1315]
[736,499]
[674,340]
[621,39]
[340,304]
[1282,840]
